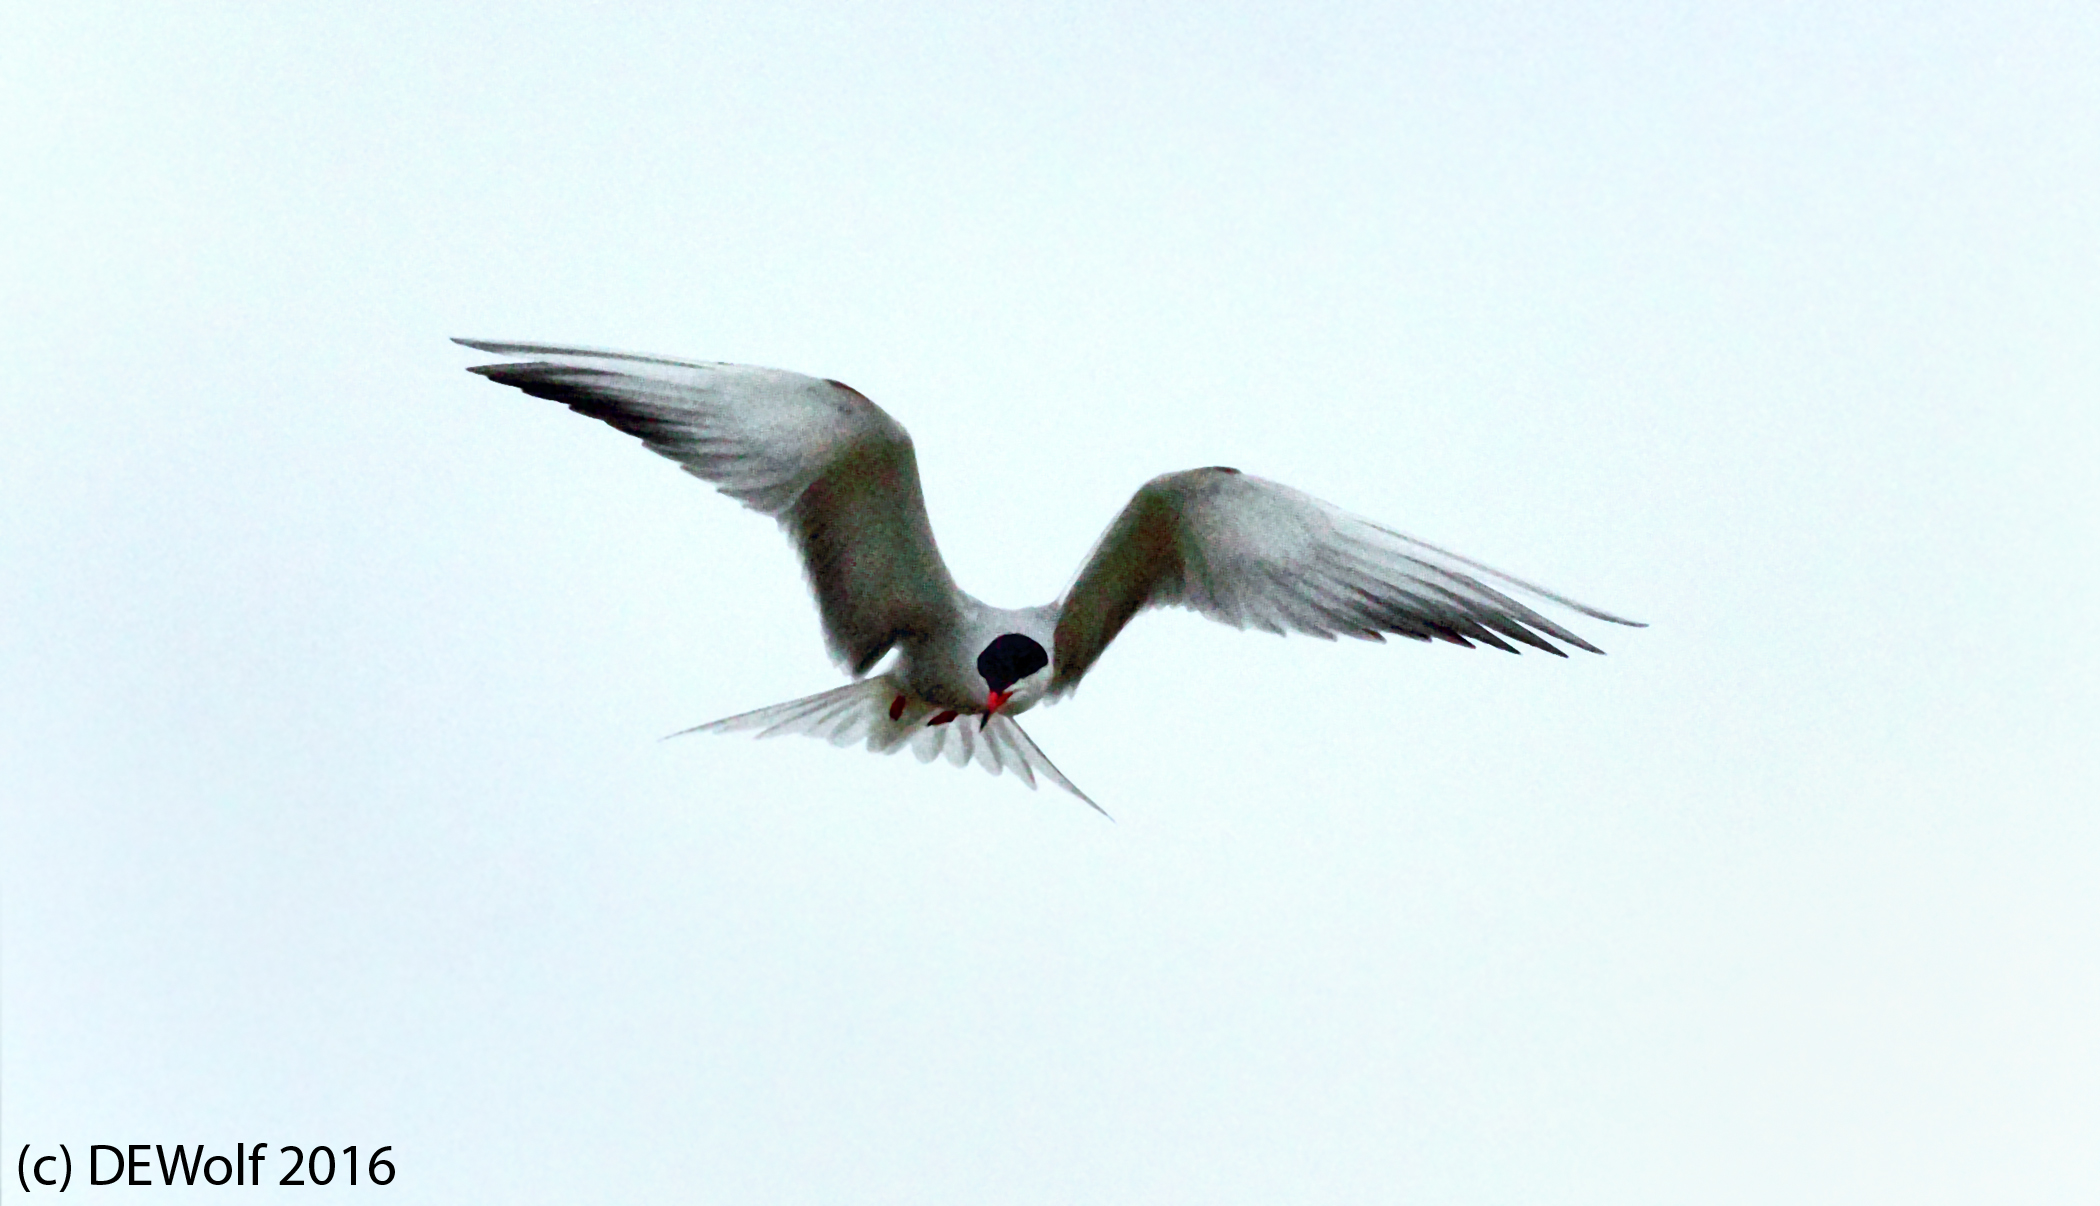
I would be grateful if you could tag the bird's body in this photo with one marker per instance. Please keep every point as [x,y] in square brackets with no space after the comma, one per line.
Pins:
[841,477]
[940,667]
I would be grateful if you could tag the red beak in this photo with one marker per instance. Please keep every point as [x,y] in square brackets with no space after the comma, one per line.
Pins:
[992,703]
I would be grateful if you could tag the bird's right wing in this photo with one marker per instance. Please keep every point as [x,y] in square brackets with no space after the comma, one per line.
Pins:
[838,473]
[1256,554]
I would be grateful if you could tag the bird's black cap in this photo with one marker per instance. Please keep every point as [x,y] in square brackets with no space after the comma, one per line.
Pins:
[1009,659]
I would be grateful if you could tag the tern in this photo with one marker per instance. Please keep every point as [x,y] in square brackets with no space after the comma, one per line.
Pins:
[840,476]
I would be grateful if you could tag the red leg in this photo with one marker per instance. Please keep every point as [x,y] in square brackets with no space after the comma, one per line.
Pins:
[943,718]
[897,708]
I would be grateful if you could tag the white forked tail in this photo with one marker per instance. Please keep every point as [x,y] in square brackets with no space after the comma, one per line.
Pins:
[860,712]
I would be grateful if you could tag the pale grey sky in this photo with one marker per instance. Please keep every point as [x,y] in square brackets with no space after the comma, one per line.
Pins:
[331,806]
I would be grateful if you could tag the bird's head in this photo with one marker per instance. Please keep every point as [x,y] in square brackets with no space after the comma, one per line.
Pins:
[1016,671]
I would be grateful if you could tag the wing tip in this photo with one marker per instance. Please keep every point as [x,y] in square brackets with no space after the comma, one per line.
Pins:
[712,726]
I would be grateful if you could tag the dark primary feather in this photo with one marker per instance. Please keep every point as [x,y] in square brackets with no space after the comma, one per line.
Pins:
[838,473]
[1256,554]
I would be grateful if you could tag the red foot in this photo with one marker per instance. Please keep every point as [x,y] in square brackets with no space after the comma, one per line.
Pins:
[943,718]
[897,708]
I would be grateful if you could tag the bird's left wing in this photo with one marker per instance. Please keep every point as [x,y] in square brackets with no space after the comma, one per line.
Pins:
[1256,554]
[835,470]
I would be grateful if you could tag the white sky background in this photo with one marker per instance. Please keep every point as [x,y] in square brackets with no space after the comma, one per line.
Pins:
[333,806]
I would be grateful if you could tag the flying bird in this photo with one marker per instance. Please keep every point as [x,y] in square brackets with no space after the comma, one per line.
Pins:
[839,475]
